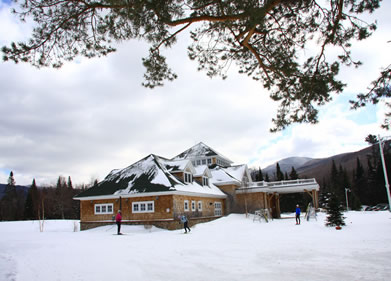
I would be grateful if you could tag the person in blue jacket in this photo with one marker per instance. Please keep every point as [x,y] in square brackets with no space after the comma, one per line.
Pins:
[298,214]
[185,223]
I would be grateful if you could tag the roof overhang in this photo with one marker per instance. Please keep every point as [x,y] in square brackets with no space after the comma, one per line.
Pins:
[281,189]
[147,194]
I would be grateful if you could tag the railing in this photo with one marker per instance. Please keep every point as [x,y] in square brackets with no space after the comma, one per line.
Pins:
[281,183]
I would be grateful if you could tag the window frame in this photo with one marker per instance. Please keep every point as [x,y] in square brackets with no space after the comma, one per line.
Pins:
[143,207]
[205,181]
[218,210]
[104,206]
[188,177]
[186,205]
[193,206]
[199,205]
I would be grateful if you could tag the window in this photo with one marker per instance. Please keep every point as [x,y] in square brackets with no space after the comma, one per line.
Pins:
[143,207]
[193,206]
[218,209]
[103,209]
[188,177]
[199,205]
[198,162]
[186,206]
[205,181]
[203,161]
[209,161]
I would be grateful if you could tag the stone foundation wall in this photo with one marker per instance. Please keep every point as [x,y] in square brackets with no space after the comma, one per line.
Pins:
[166,224]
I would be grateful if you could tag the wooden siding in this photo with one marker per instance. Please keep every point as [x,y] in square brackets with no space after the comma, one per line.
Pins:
[208,209]
[167,208]
[162,208]
[254,201]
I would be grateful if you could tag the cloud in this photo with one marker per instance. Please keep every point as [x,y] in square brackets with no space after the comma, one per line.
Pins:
[92,116]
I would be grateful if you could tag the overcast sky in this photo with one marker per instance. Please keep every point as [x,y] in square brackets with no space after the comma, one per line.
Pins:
[92,116]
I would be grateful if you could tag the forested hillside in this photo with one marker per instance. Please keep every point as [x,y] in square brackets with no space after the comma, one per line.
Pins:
[359,175]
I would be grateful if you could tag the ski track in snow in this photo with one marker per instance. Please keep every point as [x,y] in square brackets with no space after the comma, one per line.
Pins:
[230,248]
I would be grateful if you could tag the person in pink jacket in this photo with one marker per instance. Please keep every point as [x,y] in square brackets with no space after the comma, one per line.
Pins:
[118,219]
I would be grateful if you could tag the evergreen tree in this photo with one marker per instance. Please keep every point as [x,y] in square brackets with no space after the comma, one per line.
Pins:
[293,174]
[334,211]
[60,197]
[267,177]
[260,174]
[265,38]
[359,185]
[69,184]
[32,202]
[11,180]
[12,203]
[279,174]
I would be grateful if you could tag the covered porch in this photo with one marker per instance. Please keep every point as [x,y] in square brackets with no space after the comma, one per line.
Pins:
[266,195]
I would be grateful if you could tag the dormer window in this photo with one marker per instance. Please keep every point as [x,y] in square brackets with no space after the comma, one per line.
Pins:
[188,177]
[205,181]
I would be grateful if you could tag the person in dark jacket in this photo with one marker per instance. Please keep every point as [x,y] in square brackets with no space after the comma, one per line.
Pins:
[298,211]
[118,219]
[185,223]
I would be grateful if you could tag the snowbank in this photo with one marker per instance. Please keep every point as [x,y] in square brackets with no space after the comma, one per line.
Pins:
[230,248]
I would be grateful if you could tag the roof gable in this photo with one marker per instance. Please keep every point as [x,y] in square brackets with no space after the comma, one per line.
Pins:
[147,175]
[200,150]
[202,171]
[178,165]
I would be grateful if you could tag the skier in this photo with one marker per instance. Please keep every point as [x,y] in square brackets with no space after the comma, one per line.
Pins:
[118,219]
[185,223]
[298,214]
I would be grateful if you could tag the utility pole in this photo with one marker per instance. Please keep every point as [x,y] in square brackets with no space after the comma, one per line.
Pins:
[385,172]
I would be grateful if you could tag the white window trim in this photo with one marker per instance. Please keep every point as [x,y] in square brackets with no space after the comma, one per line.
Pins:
[106,212]
[199,206]
[193,205]
[205,181]
[188,177]
[186,205]
[139,203]
[218,209]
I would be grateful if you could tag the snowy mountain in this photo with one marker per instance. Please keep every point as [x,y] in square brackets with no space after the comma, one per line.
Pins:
[319,168]
[286,165]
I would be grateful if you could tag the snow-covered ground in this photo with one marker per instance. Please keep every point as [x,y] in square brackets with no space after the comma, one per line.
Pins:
[230,248]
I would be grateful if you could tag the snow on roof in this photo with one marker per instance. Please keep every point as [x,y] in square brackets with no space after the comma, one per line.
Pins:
[177,165]
[199,150]
[220,177]
[150,174]
[201,170]
[238,171]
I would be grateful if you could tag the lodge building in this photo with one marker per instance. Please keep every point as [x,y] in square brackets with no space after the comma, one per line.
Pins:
[199,182]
